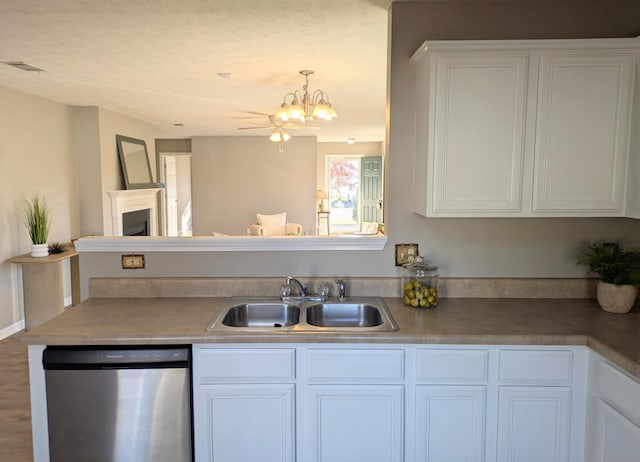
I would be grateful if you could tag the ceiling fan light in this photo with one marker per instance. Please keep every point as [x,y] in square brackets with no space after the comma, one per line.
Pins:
[285,136]
[275,136]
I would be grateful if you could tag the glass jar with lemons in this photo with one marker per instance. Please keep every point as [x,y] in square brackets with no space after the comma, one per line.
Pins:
[420,284]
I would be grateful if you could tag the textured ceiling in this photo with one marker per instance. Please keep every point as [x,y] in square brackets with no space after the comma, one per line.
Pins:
[158,60]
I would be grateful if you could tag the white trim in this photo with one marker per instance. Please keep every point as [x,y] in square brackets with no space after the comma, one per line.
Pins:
[132,200]
[524,45]
[12,329]
[227,244]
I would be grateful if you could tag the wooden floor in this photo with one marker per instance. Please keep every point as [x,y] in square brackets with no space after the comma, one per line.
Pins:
[15,413]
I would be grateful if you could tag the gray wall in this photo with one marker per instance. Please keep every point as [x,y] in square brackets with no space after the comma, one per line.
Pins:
[97,162]
[233,178]
[112,124]
[540,247]
[491,247]
[36,156]
[68,155]
[173,145]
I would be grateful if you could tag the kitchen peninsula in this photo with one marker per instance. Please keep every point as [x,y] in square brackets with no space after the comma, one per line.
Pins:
[552,371]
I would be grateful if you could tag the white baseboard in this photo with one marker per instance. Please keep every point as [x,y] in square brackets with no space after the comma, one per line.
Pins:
[68,301]
[12,329]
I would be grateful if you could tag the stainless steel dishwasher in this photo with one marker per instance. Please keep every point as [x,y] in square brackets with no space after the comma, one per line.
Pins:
[116,404]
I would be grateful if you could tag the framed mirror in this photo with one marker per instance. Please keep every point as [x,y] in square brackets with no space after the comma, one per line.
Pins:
[134,162]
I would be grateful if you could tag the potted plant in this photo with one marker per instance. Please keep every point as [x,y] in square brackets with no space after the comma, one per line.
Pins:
[37,221]
[619,272]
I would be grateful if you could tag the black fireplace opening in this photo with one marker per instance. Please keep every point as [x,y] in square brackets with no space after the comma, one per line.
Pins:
[136,223]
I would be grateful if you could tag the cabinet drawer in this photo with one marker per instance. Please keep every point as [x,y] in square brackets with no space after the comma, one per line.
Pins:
[536,366]
[354,364]
[443,365]
[240,364]
[618,389]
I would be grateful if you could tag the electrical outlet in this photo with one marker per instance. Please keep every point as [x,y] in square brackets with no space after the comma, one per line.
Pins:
[132,261]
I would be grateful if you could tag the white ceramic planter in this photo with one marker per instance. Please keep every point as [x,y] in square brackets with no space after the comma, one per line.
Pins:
[616,299]
[39,250]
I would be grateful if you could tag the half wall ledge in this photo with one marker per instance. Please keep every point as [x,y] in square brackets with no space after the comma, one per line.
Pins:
[228,243]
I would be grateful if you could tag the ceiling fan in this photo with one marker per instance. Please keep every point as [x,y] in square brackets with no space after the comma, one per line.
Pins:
[275,123]
[278,128]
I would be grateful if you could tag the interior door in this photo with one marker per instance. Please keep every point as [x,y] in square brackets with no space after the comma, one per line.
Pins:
[371,188]
[171,195]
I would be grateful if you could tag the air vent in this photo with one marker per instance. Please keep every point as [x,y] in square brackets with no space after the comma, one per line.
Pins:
[24,66]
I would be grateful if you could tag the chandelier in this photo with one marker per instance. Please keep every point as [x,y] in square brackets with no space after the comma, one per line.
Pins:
[304,106]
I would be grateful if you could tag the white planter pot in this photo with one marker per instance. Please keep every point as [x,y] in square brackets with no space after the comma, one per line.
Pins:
[39,250]
[616,299]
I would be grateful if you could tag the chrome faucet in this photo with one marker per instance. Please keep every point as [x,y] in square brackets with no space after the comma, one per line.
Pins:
[342,290]
[302,290]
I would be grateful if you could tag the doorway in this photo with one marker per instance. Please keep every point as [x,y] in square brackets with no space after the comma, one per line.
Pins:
[354,183]
[175,173]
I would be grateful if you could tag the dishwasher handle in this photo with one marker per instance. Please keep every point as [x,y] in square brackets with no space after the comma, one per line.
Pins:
[60,358]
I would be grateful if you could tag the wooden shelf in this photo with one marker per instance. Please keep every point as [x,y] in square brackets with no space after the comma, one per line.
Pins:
[27,258]
[43,285]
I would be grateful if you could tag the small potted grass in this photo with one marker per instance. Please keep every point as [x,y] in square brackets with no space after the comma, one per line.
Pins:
[38,222]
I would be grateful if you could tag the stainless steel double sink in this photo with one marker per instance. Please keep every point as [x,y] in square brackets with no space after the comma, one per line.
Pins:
[273,315]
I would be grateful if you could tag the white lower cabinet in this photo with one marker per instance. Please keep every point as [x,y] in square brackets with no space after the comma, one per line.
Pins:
[617,439]
[244,404]
[613,421]
[240,423]
[533,424]
[450,423]
[396,403]
[347,423]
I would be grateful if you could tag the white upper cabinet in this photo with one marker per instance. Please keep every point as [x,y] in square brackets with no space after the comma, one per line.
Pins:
[582,132]
[523,128]
[481,104]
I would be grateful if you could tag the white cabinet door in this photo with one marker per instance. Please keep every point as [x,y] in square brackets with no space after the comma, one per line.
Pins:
[616,439]
[478,138]
[524,128]
[243,422]
[582,132]
[533,424]
[450,423]
[347,423]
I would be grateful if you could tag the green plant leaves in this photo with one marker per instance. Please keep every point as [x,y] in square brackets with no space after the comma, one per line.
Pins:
[612,263]
[37,219]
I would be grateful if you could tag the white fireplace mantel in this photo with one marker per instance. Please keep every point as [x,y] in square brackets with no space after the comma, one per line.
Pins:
[132,200]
